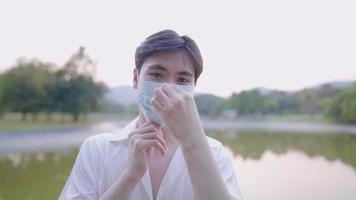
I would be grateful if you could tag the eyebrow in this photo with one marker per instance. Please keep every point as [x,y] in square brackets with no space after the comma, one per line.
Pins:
[160,67]
[186,73]
[157,66]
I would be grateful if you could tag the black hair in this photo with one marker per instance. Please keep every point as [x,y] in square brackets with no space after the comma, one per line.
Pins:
[169,40]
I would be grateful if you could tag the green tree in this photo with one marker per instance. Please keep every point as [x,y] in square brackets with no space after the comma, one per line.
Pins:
[2,95]
[309,101]
[25,86]
[342,107]
[247,102]
[209,105]
[76,91]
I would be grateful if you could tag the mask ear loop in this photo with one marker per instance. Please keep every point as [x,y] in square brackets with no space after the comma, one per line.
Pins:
[142,110]
[144,114]
[147,119]
[160,125]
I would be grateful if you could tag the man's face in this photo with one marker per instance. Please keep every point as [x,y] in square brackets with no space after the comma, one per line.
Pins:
[166,67]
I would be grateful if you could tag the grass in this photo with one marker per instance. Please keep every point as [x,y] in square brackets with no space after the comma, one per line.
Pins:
[12,122]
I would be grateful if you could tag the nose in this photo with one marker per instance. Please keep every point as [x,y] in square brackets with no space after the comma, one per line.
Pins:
[169,80]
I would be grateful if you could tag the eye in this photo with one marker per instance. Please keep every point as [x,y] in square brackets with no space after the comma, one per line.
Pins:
[156,75]
[183,81]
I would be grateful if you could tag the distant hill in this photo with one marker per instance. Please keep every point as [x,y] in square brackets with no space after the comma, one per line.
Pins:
[263,91]
[338,84]
[126,95]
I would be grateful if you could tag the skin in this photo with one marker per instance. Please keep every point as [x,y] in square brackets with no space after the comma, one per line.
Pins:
[151,148]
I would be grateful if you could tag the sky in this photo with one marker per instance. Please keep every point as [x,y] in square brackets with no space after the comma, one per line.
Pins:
[277,44]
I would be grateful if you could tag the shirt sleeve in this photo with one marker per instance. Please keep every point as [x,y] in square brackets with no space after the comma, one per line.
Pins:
[82,181]
[228,173]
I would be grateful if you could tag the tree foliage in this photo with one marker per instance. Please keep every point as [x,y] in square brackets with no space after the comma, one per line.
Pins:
[342,107]
[32,86]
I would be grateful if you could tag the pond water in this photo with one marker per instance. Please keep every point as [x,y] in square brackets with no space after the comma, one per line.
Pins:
[269,165]
[293,165]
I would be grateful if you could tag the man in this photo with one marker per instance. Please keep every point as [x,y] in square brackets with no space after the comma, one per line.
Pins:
[163,153]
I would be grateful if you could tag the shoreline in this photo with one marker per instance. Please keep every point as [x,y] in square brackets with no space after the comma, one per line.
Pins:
[38,141]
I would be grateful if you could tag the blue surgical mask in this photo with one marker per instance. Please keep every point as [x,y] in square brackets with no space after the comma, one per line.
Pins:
[146,93]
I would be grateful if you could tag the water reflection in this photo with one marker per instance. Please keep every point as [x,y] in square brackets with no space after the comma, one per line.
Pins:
[34,176]
[269,166]
[252,144]
[295,176]
[293,165]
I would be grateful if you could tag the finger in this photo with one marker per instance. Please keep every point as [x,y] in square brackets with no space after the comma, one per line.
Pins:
[162,98]
[177,90]
[147,123]
[169,91]
[138,130]
[157,105]
[144,144]
[182,93]
[154,128]
[149,127]
[153,135]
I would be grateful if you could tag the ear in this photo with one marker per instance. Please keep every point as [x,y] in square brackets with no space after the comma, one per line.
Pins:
[135,78]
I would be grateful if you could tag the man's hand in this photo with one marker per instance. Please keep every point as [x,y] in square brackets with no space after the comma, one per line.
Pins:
[179,112]
[140,142]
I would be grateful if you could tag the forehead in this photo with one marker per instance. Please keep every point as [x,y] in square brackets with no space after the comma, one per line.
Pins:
[171,60]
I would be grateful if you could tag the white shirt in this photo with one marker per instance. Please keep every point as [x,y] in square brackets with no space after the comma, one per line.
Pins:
[103,157]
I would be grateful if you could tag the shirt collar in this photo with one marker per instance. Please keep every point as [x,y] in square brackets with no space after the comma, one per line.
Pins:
[123,133]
